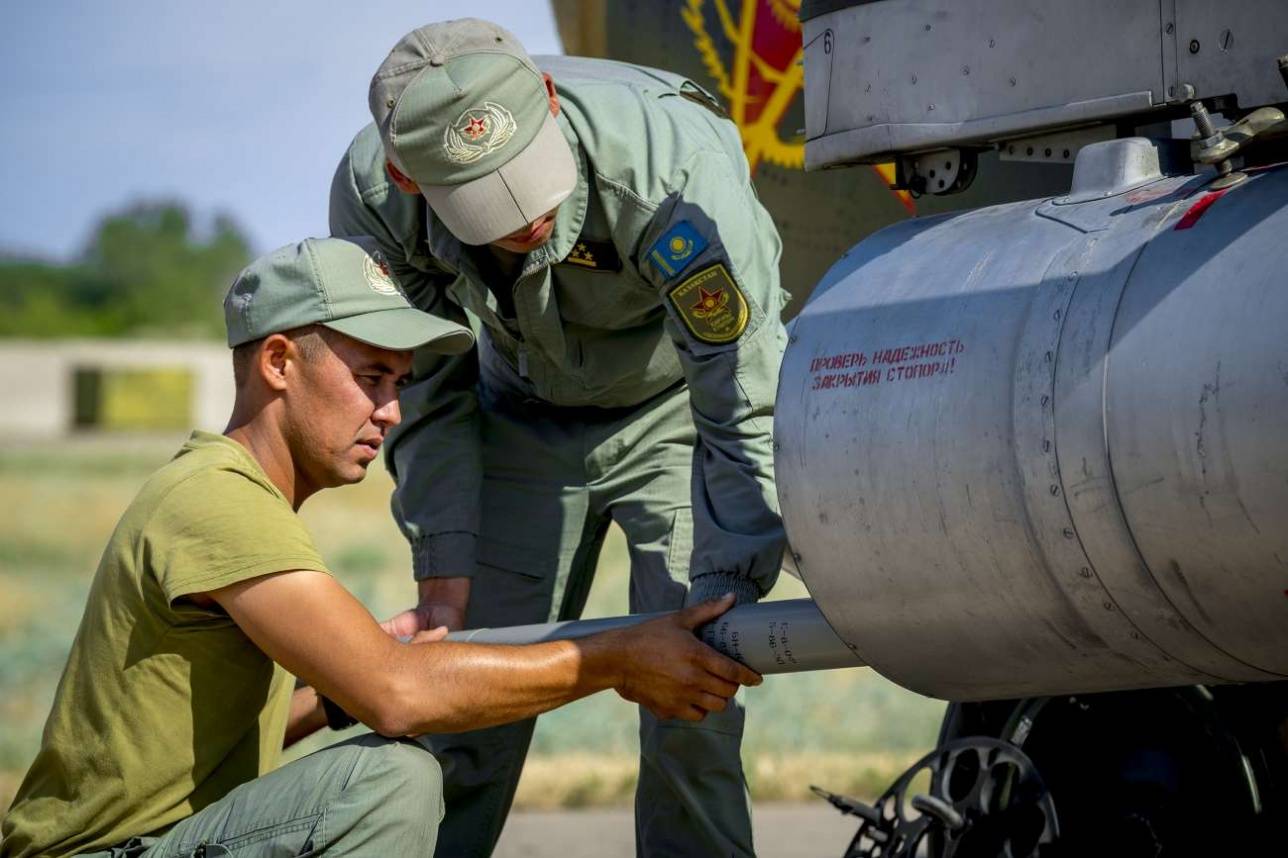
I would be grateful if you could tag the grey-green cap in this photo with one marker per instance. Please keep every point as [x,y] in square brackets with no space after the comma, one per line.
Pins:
[464,113]
[343,283]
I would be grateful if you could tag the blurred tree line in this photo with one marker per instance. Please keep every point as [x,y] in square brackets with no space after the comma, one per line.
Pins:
[146,271]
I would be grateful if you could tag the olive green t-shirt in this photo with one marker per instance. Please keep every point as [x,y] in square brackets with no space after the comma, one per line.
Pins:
[165,706]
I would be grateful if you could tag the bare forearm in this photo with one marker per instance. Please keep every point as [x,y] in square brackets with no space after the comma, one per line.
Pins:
[450,687]
[309,624]
[306,718]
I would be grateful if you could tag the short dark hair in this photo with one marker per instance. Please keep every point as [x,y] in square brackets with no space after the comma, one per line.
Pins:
[311,340]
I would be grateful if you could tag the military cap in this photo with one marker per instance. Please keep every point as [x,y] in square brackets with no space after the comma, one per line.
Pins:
[342,283]
[464,113]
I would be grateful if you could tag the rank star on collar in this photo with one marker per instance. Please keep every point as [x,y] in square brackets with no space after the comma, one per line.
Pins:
[593,255]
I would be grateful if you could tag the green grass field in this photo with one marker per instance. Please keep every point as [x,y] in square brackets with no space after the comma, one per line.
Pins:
[850,730]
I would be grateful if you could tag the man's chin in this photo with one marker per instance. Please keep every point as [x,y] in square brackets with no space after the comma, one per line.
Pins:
[347,476]
[522,248]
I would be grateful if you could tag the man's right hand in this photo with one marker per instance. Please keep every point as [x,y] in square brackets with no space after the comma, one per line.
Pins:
[668,671]
[442,602]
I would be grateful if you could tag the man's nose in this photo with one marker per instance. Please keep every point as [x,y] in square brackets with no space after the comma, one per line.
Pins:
[389,414]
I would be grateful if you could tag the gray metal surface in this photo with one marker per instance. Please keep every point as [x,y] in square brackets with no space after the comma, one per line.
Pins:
[1113,167]
[769,637]
[909,76]
[1041,448]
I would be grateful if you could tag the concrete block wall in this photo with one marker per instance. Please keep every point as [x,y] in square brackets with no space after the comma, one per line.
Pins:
[37,380]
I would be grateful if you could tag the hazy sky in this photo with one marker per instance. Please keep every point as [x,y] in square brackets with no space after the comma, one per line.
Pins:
[243,106]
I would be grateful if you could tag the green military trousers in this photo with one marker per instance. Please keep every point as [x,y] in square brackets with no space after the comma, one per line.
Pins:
[366,796]
[554,479]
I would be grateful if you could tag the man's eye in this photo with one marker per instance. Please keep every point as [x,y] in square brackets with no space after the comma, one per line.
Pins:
[370,380]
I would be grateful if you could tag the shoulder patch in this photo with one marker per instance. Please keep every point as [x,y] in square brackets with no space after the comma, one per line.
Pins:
[593,256]
[712,306]
[677,247]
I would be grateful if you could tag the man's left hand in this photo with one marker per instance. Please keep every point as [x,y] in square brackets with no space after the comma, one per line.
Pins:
[414,626]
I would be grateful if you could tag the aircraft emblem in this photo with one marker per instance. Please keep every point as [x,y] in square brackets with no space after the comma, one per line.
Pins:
[755,58]
[759,74]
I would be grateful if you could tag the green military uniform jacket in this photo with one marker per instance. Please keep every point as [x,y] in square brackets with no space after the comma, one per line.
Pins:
[662,270]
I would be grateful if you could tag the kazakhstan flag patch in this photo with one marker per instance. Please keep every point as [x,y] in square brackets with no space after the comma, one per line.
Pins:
[677,247]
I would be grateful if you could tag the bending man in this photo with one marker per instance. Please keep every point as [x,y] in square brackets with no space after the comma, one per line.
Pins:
[596,221]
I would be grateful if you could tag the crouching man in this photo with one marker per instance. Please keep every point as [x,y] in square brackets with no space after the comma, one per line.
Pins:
[177,696]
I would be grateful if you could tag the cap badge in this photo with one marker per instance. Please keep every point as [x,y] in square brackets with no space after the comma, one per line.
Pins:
[477,132]
[379,276]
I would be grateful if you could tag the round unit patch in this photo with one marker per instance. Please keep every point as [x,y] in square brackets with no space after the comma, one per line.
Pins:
[379,276]
[477,132]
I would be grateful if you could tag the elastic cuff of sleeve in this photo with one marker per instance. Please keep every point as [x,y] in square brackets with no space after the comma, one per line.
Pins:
[444,555]
[713,585]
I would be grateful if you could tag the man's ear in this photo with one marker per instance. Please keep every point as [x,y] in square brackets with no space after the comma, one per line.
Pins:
[551,93]
[273,357]
[400,180]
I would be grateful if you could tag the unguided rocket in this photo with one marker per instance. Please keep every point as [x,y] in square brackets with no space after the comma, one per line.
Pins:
[769,637]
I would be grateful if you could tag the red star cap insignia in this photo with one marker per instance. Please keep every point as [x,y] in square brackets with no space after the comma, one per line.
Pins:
[476,127]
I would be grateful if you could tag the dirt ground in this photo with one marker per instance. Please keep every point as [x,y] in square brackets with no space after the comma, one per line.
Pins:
[781,831]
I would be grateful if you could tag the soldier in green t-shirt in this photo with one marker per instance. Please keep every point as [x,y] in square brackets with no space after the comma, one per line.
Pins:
[596,223]
[177,698]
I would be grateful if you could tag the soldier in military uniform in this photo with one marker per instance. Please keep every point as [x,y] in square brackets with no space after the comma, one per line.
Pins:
[596,223]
